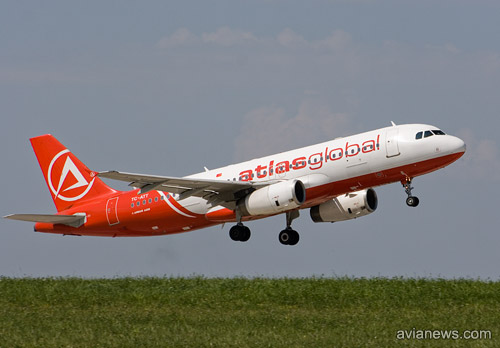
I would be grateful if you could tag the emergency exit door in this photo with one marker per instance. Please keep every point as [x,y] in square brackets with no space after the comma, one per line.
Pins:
[112,212]
[391,142]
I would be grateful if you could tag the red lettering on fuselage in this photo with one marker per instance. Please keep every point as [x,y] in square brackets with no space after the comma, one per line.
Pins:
[351,150]
[314,161]
[261,171]
[368,146]
[246,175]
[282,167]
[335,154]
[299,163]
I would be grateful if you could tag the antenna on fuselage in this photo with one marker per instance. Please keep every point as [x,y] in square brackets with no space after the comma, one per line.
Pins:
[393,124]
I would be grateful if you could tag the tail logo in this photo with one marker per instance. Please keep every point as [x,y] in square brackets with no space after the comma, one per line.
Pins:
[69,187]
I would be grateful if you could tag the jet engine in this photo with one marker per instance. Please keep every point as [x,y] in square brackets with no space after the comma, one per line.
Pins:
[275,198]
[346,207]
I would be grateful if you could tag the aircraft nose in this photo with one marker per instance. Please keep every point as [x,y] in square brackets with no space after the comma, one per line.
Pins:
[457,145]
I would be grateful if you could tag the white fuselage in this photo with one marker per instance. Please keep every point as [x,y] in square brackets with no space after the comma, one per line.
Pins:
[377,153]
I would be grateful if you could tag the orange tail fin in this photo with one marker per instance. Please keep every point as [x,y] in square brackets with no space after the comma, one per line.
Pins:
[70,182]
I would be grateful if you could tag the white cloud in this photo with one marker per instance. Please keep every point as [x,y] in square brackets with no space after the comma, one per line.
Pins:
[226,36]
[268,130]
[338,40]
[289,38]
[223,36]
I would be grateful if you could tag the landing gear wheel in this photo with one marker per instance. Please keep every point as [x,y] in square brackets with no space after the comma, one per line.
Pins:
[412,201]
[295,238]
[234,233]
[239,233]
[289,237]
[245,234]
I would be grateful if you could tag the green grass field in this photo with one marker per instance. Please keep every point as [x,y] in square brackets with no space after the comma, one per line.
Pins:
[199,312]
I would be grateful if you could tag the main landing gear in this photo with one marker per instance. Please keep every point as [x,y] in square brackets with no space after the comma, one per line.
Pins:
[411,201]
[239,233]
[289,236]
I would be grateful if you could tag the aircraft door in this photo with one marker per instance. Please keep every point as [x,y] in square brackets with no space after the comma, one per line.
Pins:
[391,142]
[112,212]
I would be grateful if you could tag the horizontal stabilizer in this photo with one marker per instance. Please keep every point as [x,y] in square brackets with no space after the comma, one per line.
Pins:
[69,220]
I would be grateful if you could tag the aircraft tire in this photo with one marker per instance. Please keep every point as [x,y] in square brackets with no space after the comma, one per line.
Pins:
[234,233]
[412,201]
[284,237]
[288,237]
[239,233]
[244,234]
[294,237]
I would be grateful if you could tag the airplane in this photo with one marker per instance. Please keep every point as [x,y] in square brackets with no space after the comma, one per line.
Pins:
[334,180]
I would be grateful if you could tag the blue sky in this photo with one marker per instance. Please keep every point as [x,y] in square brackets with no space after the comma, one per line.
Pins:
[169,87]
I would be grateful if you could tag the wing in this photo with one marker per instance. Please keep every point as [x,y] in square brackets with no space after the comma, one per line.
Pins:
[69,220]
[217,192]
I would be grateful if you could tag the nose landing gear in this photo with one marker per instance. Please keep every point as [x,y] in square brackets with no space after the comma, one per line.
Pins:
[411,201]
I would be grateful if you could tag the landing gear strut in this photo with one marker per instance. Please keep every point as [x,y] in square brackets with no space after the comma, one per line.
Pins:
[289,236]
[411,201]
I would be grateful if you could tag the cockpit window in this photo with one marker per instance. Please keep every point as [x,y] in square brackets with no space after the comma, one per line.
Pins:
[419,135]
[428,134]
[438,132]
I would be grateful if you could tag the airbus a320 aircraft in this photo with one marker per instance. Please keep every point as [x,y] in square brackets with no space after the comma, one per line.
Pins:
[334,180]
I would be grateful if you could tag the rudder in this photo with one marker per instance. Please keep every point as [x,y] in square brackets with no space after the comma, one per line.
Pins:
[70,182]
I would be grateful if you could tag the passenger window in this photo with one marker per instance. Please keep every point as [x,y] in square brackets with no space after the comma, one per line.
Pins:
[150,200]
[132,205]
[144,202]
[156,199]
[138,203]
[419,135]
[428,134]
